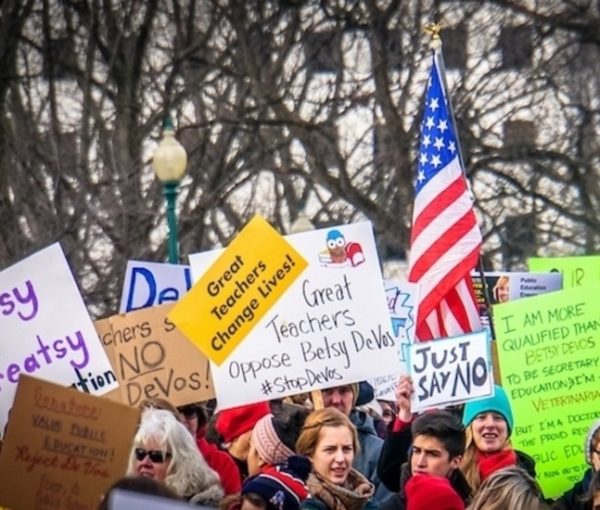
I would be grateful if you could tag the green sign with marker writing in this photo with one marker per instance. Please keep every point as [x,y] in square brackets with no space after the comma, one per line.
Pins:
[549,355]
[577,271]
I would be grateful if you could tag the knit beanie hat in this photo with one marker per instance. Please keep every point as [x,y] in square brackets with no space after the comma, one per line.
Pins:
[267,443]
[427,492]
[589,441]
[283,487]
[497,404]
[232,423]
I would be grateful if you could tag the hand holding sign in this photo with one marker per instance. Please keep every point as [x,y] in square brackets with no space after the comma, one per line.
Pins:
[450,371]
[404,394]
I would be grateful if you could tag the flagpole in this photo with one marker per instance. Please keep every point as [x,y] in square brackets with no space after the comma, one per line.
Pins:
[434,29]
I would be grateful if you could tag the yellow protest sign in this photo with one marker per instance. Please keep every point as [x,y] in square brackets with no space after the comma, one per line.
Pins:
[237,290]
[549,353]
[577,271]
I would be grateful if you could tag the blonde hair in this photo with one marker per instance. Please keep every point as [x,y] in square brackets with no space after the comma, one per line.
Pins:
[503,281]
[511,488]
[315,422]
[468,464]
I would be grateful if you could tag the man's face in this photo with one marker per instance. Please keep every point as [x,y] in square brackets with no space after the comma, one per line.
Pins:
[340,397]
[429,456]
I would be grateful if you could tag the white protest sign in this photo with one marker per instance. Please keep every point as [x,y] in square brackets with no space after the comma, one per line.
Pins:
[402,299]
[46,329]
[119,499]
[331,327]
[153,283]
[450,371]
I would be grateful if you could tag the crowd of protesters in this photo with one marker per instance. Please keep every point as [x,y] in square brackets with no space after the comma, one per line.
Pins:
[353,453]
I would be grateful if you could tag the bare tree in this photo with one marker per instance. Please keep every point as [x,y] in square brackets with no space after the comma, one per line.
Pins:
[286,106]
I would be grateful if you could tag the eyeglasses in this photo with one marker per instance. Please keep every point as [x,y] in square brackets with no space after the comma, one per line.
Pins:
[156,456]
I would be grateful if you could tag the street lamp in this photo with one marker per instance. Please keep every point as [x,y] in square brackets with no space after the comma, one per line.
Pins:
[169,162]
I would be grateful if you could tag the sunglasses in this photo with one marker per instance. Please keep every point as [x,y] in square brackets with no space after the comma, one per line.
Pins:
[156,456]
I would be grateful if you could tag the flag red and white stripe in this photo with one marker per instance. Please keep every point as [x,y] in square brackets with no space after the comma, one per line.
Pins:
[445,239]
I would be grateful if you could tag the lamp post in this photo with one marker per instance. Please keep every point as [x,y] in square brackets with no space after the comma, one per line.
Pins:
[169,162]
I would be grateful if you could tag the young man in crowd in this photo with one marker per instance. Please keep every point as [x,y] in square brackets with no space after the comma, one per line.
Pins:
[438,443]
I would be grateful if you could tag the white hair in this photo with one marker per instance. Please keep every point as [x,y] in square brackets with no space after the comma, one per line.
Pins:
[188,474]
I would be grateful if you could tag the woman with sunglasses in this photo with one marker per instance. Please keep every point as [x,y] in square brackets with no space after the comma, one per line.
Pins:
[330,441]
[164,450]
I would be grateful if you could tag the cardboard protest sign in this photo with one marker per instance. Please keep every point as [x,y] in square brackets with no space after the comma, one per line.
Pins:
[402,299]
[63,448]
[152,358]
[332,326]
[153,283]
[240,287]
[576,271]
[46,329]
[549,354]
[450,371]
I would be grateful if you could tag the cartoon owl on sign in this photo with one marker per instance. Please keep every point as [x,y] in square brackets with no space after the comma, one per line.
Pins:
[336,245]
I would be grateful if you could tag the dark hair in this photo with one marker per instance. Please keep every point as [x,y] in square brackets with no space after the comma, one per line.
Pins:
[594,487]
[139,485]
[444,426]
[288,423]
[195,409]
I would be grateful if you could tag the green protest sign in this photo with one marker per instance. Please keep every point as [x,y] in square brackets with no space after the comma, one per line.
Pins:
[549,355]
[577,271]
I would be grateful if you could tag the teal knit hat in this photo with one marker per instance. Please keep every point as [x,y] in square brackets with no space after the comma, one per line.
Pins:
[497,404]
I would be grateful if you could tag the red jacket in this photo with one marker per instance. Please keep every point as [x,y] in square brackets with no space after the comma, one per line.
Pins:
[223,464]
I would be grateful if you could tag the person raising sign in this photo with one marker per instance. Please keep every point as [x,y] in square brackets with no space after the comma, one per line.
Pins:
[489,424]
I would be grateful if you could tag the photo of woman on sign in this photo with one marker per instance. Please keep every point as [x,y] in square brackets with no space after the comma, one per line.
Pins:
[501,290]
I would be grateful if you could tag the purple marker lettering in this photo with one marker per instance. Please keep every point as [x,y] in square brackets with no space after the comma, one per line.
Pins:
[79,345]
[27,299]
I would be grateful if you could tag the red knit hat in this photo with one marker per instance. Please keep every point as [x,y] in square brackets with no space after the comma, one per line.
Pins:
[232,423]
[424,492]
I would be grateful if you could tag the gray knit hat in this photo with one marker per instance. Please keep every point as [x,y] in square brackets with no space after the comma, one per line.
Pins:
[589,441]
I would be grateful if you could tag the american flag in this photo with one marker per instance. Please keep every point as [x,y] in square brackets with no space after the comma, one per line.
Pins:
[445,239]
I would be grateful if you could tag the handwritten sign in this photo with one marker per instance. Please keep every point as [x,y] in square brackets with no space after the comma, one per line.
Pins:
[240,287]
[402,299]
[152,358]
[46,329]
[153,283]
[450,371]
[63,448]
[577,271]
[549,354]
[332,327]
